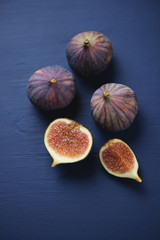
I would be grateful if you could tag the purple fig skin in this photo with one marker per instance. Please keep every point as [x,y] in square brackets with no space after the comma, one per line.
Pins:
[114,106]
[89,53]
[51,88]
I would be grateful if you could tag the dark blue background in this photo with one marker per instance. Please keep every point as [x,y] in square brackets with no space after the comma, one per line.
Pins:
[81,200]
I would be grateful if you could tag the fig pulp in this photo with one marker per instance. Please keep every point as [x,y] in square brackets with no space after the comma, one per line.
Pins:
[114,106]
[67,141]
[89,53]
[51,88]
[119,160]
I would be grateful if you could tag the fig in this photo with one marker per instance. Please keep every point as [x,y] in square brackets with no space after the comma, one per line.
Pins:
[89,53]
[67,141]
[51,88]
[114,106]
[118,159]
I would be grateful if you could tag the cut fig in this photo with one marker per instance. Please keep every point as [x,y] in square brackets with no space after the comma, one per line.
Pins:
[67,141]
[119,160]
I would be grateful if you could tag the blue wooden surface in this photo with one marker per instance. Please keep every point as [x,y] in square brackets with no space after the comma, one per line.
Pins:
[77,201]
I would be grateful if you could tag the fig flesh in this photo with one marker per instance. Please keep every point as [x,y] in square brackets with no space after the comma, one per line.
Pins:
[119,160]
[67,141]
[51,88]
[89,53]
[114,106]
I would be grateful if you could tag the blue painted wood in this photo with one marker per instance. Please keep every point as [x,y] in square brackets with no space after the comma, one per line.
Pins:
[77,201]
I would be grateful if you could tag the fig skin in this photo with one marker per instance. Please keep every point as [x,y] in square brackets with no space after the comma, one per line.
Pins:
[114,106]
[51,88]
[89,53]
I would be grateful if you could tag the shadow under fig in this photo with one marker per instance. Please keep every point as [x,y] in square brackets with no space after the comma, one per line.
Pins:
[128,135]
[107,76]
[81,170]
[68,112]
[131,184]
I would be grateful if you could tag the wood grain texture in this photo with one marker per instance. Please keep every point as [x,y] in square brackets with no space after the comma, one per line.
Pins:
[77,201]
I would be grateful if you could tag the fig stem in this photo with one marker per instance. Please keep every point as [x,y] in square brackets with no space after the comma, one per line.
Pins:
[106,94]
[54,163]
[138,179]
[86,42]
[53,80]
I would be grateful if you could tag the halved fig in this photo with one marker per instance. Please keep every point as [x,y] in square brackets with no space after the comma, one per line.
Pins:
[119,160]
[67,141]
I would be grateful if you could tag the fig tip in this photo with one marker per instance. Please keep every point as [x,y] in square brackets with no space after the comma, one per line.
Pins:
[54,164]
[138,179]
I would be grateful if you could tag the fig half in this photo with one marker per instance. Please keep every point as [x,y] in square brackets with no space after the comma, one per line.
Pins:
[89,53]
[114,106]
[119,160]
[67,141]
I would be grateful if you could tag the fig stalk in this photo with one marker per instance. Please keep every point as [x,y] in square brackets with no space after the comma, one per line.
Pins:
[106,94]
[138,179]
[86,42]
[54,164]
[53,80]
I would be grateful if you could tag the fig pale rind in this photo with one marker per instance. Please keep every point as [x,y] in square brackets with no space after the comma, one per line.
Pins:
[114,106]
[67,141]
[89,53]
[51,88]
[119,160]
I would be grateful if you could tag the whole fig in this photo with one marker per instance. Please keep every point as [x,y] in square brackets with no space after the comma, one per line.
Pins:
[51,88]
[114,106]
[89,53]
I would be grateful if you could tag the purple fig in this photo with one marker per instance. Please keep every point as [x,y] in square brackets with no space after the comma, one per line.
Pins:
[51,88]
[114,106]
[89,53]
